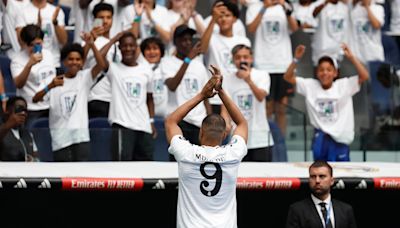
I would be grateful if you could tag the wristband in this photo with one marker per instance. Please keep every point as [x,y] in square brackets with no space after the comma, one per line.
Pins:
[187,60]
[262,10]
[55,22]
[151,120]
[3,97]
[46,89]
[137,19]
[295,60]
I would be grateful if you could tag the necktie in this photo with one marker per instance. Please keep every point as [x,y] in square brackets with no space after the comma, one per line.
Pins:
[324,214]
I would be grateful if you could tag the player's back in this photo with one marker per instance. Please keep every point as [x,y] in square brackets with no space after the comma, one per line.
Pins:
[207,182]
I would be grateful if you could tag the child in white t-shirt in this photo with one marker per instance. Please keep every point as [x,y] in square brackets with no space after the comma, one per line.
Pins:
[329,104]
[32,69]
[51,19]
[146,19]
[272,23]
[184,76]
[68,95]
[153,50]
[132,107]
[100,93]
[217,46]
[248,88]
[333,29]
[367,19]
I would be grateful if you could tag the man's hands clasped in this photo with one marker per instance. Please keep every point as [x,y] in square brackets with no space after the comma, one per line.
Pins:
[214,85]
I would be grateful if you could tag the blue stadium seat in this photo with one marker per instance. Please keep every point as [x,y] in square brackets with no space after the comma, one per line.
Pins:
[391,49]
[279,151]
[41,133]
[67,11]
[161,144]
[8,79]
[100,139]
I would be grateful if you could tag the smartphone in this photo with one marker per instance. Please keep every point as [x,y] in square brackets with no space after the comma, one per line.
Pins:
[242,64]
[60,71]
[37,48]
[97,22]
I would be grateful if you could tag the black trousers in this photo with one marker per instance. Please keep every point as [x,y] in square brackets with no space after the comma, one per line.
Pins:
[131,145]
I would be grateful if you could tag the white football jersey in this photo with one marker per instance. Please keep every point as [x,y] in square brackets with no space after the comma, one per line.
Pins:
[207,182]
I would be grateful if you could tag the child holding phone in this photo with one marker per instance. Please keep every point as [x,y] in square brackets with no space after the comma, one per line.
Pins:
[68,93]
[32,69]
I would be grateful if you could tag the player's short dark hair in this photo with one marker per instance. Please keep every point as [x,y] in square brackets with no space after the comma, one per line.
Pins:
[230,6]
[152,40]
[213,125]
[238,47]
[68,48]
[320,163]
[102,7]
[31,32]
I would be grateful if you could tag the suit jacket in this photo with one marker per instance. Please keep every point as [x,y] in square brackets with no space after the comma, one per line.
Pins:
[304,214]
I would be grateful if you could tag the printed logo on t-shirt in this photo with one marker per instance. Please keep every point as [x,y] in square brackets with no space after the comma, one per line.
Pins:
[272,31]
[68,103]
[158,91]
[191,87]
[336,25]
[149,29]
[44,73]
[226,60]
[134,91]
[327,109]
[48,34]
[244,100]
[363,29]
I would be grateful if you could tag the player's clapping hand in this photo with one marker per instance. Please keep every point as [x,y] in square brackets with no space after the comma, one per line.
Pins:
[216,75]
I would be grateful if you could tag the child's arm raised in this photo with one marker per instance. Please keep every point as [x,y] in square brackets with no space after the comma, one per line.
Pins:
[362,72]
[298,54]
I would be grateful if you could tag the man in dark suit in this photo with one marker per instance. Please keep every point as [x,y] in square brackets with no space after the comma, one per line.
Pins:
[320,210]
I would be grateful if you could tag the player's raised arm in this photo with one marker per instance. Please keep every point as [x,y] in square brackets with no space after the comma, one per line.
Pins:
[230,106]
[171,122]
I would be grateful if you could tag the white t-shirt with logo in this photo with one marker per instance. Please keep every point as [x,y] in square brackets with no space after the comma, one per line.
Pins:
[365,37]
[207,182]
[159,14]
[219,54]
[333,29]
[272,45]
[304,14]
[12,9]
[252,109]
[129,88]
[395,16]
[68,115]
[29,15]
[41,74]
[160,90]
[331,110]
[102,90]
[192,83]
